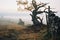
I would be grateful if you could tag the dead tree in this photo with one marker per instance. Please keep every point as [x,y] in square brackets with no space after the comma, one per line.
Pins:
[51,23]
[35,12]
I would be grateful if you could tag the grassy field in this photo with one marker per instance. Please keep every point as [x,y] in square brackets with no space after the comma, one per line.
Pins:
[19,32]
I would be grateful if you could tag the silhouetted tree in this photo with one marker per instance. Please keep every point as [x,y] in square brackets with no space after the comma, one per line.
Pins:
[20,22]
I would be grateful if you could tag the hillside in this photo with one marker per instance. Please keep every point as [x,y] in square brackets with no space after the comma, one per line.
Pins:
[19,32]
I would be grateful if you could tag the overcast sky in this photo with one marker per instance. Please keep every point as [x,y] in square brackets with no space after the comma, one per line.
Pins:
[9,7]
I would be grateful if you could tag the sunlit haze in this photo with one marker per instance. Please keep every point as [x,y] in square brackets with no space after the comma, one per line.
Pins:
[8,8]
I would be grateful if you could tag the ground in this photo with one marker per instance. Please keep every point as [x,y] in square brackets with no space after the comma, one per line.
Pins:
[19,32]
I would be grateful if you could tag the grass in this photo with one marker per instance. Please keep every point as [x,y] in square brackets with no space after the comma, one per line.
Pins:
[19,32]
